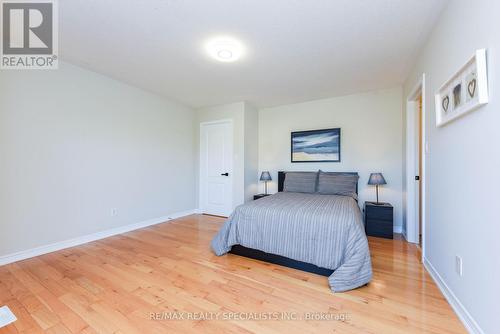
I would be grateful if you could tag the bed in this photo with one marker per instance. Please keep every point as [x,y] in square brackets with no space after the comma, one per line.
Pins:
[314,232]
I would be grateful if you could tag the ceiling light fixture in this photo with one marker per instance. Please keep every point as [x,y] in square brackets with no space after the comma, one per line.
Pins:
[225,54]
[225,49]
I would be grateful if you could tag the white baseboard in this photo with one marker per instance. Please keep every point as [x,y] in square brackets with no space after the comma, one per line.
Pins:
[470,324]
[26,254]
[397,229]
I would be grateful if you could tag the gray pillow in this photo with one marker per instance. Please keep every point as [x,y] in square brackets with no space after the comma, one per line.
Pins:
[300,182]
[338,184]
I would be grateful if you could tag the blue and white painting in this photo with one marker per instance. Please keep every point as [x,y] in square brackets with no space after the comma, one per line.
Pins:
[316,146]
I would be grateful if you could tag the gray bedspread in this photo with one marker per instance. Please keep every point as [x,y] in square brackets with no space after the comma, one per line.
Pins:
[325,230]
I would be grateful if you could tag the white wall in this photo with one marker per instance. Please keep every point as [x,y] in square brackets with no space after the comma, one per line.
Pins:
[251,151]
[74,144]
[371,139]
[463,164]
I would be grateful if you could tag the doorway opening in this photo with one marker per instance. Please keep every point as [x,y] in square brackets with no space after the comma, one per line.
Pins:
[419,168]
[415,166]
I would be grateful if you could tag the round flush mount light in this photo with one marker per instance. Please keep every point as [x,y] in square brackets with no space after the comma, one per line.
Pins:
[225,54]
[225,49]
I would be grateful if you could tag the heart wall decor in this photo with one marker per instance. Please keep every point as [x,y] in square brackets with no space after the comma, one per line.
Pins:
[471,88]
[446,103]
[465,91]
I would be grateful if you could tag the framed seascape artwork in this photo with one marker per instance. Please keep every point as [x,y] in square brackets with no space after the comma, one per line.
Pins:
[465,91]
[316,146]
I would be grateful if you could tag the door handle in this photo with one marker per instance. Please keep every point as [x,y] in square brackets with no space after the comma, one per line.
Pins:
[225,174]
[417,178]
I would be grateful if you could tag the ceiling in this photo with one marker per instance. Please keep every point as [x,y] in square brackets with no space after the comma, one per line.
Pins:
[296,50]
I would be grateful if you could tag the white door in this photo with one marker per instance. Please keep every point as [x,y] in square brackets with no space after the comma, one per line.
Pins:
[414,170]
[216,168]
[412,196]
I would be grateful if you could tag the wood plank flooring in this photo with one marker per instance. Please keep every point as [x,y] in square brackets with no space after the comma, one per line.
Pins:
[133,282]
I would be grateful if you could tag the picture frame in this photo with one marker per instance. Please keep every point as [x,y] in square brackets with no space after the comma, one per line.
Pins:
[464,92]
[321,145]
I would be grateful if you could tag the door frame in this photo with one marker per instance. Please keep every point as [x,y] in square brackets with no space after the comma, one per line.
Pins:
[412,211]
[200,157]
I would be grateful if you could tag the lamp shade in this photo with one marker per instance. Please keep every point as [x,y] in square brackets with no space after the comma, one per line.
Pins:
[376,179]
[265,176]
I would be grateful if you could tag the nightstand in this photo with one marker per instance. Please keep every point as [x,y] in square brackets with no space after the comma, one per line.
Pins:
[260,196]
[379,219]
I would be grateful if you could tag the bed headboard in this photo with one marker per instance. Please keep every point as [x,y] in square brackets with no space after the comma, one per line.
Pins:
[281,179]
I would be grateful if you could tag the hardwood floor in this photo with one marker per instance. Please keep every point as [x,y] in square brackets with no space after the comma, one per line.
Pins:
[117,285]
